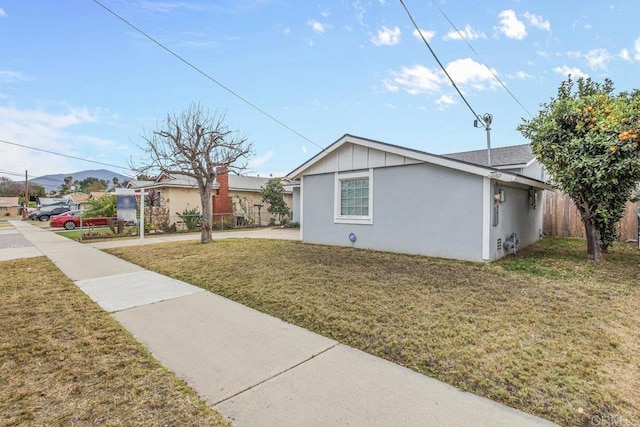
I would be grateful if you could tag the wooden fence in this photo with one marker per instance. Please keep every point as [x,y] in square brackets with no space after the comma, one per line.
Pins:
[561,218]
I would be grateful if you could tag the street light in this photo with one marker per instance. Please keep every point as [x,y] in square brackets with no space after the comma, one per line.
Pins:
[487,119]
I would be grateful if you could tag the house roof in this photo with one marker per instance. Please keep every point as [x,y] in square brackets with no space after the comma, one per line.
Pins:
[417,156]
[177,180]
[79,197]
[97,194]
[514,155]
[135,183]
[249,183]
[236,182]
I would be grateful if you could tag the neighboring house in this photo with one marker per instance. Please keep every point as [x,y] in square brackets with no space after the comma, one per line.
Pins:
[9,206]
[79,199]
[233,195]
[370,194]
[515,158]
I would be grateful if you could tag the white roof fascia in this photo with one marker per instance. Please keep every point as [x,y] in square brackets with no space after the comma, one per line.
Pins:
[405,152]
[483,171]
[519,179]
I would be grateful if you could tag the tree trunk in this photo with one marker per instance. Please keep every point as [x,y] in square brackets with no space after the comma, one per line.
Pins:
[594,242]
[205,199]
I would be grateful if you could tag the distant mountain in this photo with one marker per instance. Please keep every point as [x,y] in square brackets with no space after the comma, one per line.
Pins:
[54,181]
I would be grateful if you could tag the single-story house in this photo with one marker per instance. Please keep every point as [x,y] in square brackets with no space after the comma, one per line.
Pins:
[369,194]
[9,206]
[234,196]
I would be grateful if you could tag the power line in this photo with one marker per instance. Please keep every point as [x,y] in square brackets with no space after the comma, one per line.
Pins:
[207,76]
[63,155]
[480,58]
[29,176]
[442,66]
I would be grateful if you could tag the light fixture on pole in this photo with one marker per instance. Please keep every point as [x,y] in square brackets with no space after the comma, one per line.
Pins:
[487,119]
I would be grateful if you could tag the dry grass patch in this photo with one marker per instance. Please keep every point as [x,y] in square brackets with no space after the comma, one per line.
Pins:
[64,361]
[544,332]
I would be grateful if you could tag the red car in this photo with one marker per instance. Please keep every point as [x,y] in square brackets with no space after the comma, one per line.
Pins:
[71,220]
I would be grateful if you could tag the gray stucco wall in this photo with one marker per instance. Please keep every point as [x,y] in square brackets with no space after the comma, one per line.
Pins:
[419,209]
[515,216]
[295,205]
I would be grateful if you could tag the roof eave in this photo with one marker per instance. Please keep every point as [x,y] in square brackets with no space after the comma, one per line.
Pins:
[394,149]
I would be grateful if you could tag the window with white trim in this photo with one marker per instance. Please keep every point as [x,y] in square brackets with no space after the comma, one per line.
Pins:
[354,197]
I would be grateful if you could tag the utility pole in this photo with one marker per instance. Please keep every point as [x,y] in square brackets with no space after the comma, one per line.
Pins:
[26,195]
[487,119]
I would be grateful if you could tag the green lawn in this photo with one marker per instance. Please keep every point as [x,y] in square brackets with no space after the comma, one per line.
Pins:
[544,331]
[65,361]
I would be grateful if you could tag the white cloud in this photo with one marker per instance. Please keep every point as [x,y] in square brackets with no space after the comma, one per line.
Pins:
[575,72]
[325,13]
[467,33]
[11,76]
[418,79]
[624,55]
[511,26]
[414,80]
[260,160]
[44,130]
[445,101]
[636,47]
[469,72]
[538,21]
[2,13]
[598,58]
[304,149]
[520,75]
[391,87]
[428,35]
[316,26]
[387,37]
[286,31]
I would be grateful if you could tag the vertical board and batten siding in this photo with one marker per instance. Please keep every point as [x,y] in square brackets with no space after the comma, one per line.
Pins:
[356,157]
[561,218]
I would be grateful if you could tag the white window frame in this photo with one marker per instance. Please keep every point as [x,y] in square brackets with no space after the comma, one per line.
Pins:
[352,219]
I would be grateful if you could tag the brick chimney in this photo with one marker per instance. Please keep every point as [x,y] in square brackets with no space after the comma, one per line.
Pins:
[222,204]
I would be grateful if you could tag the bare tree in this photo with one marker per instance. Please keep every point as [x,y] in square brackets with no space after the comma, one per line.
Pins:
[195,143]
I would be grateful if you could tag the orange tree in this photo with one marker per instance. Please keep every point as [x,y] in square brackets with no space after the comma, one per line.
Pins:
[587,138]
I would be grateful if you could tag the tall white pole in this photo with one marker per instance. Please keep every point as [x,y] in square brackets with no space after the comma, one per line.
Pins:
[142,193]
[488,118]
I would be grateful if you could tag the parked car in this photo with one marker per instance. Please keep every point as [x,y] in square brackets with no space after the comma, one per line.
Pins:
[71,220]
[46,214]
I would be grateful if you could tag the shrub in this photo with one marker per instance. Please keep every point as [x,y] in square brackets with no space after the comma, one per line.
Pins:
[225,224]
[191,218]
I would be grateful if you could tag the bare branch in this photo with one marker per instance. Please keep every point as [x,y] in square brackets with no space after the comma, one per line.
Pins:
[195,143]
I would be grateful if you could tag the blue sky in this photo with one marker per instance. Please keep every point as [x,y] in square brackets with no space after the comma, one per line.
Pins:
[74,79]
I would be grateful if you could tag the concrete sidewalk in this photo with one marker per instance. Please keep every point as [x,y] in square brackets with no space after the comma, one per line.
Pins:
[255,369]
